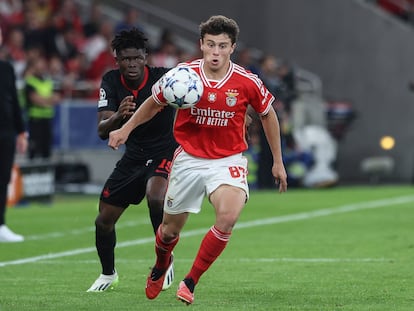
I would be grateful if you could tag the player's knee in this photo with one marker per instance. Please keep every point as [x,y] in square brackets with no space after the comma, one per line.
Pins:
[168,234]
[226,223]
[103,226]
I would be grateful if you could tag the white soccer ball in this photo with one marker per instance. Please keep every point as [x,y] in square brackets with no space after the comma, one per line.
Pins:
[182,87]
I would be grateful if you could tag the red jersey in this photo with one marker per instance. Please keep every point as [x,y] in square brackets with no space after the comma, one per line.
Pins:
[216,126]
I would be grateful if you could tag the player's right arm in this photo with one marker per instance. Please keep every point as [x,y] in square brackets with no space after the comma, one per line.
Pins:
[109,120]
[144,113]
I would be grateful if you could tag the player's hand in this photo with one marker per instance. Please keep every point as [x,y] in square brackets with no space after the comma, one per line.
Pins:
[127,107]
[279,173]
[117,138]
[22,142]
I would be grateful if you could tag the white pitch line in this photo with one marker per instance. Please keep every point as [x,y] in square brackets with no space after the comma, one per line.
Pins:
[232,260]
[82,231]
[248,224]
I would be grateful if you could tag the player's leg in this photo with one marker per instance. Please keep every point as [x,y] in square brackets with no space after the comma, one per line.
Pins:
[228,202]
[228,189]
[185,193]
[166,239]
[156,187]
[105,241]
[125,186]
[155,193]
[6,164]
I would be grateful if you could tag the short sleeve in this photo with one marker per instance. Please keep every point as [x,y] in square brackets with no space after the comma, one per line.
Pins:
[107,96]
[261,98]
[157,92]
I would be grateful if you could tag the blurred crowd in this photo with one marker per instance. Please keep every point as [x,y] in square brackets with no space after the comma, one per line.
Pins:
[74,42]
[301,108]
[71,46]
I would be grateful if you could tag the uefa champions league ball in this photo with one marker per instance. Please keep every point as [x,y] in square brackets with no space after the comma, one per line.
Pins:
[182,87]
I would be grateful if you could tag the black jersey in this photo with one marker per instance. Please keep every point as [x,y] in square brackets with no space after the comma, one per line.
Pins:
[11,118]
[152,139]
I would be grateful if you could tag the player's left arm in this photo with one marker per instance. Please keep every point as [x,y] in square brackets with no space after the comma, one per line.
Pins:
[271,129]
[109,120]
[144,113]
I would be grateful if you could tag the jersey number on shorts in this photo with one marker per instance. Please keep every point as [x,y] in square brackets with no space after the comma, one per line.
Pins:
[165,166]
[237,171]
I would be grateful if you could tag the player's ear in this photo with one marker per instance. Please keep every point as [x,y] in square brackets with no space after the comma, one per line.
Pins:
[233,47]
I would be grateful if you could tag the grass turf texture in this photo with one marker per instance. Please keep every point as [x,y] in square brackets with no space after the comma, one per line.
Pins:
[347,248]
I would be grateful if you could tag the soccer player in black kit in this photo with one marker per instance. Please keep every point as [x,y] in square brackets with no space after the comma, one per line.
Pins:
[144,167]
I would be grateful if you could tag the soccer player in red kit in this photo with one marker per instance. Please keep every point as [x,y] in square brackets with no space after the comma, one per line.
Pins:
[209,160]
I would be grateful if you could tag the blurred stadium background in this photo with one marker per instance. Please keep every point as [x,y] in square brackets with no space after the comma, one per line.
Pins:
[354,57]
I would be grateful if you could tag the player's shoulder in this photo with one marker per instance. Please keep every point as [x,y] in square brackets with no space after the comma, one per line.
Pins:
[157,72]
[194,64]
[112,76]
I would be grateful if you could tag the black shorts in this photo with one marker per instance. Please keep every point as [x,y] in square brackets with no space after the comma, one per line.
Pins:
[128,182]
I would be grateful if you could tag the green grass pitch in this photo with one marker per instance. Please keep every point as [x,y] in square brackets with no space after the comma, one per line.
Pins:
[345,248]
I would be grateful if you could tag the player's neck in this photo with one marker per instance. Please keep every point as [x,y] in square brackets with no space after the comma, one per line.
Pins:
[216,74]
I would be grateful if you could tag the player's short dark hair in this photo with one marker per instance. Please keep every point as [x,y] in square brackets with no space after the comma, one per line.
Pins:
[219,24]
[132,38]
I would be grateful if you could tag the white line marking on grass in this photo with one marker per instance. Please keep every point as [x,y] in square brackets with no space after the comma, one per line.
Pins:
[248,224]
[327,211]
[82,231]
[235,260]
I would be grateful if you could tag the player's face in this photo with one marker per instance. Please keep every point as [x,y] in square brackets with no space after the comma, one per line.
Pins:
[131,63]
[217,50]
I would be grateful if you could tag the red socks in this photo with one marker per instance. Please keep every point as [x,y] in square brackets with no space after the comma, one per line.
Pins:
[211,247]
[163,250]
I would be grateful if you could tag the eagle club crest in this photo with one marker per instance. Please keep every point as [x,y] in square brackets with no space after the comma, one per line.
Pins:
[231,98]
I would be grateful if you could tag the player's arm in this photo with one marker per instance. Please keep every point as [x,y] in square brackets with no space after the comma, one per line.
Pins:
[144,113]
[272,131]
[111,120]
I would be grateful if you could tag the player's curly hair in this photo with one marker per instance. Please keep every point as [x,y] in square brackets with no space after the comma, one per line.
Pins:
[132,38]
[219,24]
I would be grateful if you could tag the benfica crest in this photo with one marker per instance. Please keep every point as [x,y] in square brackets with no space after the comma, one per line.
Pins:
[231,98]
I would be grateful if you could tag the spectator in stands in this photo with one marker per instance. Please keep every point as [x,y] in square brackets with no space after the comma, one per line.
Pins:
[166,55]
[40,99]
[63,81]
[245,59]
[67,14]
[99,42]
[36,26]
[11,12]
[95,18]
[65,44]
[268,73]
[99,56]
[16,51]
[12,135]
[130,20]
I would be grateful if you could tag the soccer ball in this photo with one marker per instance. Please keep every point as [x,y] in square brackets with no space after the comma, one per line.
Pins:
[182,87]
